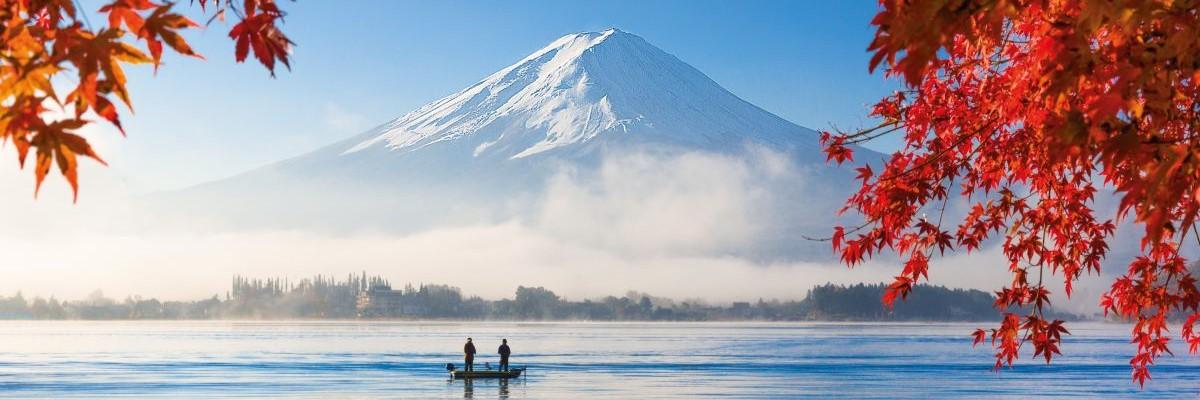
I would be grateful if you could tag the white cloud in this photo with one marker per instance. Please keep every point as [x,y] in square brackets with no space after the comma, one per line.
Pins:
[646,204]
[684,226]
[485,260]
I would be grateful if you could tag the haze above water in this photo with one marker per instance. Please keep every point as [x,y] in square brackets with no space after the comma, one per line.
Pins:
[565,360]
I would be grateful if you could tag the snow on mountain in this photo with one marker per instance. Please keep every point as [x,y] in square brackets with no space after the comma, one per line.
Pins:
[608,85]
[499,149]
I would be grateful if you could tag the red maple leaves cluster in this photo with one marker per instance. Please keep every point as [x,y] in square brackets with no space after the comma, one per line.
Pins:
[44,39]
[1025,110]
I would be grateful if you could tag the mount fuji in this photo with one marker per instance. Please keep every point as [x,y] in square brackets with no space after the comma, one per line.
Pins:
[584,90]
[489,151]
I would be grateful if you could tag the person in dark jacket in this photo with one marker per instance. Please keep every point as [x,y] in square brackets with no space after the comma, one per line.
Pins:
[469,356]
[504,352]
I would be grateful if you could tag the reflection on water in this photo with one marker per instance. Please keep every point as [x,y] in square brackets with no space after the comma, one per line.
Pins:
[468,386]
[564,360]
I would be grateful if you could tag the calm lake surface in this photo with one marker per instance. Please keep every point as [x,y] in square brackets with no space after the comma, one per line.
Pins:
[565,360]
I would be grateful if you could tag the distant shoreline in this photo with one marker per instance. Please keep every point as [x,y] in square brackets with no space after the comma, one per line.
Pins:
[367,298]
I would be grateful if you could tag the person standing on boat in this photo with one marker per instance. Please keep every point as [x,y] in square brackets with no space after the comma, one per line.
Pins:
[469,356]
[504,352]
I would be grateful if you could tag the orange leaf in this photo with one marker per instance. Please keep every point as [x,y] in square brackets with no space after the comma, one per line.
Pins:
[163,26]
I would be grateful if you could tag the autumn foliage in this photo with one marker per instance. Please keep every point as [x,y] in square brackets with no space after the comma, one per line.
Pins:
[1026,110]
[44,43]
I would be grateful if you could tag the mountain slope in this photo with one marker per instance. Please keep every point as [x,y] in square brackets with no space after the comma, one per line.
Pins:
[584,88]
[490,151]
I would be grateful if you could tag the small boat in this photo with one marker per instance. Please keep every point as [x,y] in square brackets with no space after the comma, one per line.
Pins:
[487,374]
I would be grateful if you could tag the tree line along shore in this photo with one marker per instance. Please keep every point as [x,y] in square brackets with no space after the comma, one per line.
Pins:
[373,297]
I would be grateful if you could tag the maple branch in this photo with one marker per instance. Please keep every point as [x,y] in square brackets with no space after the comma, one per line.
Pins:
[1196,233]
[1051,80]
[867,135]
[83,12]
[1037,305]
[826,239]
[962,139]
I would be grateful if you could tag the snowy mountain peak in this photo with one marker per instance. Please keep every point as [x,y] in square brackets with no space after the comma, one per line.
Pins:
[584,88]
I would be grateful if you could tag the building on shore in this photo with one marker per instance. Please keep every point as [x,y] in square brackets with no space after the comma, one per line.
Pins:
[381,301]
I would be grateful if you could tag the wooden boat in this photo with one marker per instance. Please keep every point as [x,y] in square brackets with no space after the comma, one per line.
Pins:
[511,373]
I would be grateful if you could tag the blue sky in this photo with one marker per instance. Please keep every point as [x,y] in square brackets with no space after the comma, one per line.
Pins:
[361,63]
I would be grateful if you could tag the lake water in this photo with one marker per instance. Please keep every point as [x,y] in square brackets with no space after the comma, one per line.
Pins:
[565,360]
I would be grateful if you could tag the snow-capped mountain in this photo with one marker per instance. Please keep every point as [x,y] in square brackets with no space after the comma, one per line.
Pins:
[585,88]
[490,150]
